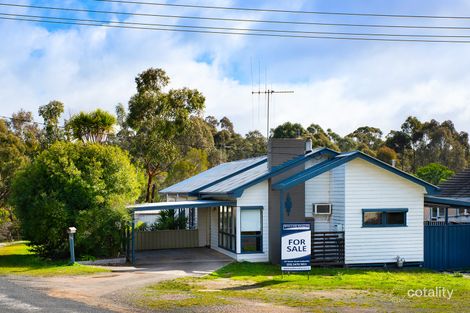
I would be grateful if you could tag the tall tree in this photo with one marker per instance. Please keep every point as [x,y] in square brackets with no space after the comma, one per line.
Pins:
[368,139]
[226,123]
[412,127]
[344,144]
[289,130]
[23,125]
[256,143]
[319,137]
[400,142]
[156,118]
[51,114]
[442,143]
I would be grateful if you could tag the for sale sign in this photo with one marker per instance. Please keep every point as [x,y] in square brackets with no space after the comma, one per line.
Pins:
[296,247]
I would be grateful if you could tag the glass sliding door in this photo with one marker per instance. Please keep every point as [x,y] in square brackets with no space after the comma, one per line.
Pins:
[227,229]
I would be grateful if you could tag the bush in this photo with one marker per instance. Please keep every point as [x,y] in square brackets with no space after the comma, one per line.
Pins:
[74,184]
[434,173]
[170,219]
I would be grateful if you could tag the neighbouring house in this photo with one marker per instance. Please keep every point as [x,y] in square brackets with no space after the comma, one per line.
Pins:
[457,188]
[363,211]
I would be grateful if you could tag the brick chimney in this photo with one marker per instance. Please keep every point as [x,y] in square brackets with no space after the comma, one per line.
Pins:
[281,150]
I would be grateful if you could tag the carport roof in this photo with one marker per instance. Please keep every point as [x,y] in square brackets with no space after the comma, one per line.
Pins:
[447,201]
[179,205]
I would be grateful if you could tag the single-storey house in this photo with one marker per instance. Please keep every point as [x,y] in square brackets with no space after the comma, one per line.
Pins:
[373,211]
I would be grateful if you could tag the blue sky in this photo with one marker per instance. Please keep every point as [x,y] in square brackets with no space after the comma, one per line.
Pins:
[338,84]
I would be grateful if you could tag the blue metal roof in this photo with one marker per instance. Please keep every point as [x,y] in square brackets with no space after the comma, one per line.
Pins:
[455,202]
[231,179]
[179,205]
[236,181]
[235,185]
[213,176]
[342,159]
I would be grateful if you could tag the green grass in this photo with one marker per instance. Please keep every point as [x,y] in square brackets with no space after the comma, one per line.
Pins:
[16,259]
[325,290]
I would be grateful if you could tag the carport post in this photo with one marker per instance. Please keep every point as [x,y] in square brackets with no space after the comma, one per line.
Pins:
[133,238]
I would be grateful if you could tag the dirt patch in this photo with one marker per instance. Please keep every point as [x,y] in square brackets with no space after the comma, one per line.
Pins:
[220,283]
[336,294]
[173,297]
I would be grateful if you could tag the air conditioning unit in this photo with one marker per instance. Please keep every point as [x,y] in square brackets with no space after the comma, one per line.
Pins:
[322,208]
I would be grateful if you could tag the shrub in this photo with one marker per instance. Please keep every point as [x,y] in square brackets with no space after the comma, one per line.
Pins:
[75,184]
[434,173]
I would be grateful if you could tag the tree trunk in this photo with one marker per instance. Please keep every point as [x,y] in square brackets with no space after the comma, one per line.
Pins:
[153,192]
[149,186]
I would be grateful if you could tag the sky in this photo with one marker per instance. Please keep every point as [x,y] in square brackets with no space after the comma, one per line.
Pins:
[340,85]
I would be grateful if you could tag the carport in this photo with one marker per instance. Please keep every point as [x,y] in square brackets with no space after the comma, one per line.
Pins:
[186,235]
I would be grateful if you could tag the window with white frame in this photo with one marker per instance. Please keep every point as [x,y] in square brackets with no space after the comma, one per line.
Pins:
[251,229]
[436,213]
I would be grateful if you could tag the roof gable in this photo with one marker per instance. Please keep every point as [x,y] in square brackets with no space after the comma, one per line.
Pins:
[343,159]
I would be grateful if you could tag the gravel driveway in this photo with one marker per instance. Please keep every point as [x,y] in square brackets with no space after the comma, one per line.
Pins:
[111,291]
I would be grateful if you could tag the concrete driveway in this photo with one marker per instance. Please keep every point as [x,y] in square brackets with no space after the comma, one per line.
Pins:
[190,260]
[114,291]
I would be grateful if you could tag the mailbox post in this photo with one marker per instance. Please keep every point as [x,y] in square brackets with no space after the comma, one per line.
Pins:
[71,231]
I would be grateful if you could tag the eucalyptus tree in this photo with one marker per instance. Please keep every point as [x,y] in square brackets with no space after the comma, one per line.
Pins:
[51,114]
[156,117]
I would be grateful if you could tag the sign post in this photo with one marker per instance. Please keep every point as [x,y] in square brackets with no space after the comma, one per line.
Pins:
[296,247]
[71,231]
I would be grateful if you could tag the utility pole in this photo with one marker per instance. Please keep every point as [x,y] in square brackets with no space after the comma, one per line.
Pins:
[269,93]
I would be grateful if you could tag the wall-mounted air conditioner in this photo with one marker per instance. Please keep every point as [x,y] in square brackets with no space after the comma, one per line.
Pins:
[322,208]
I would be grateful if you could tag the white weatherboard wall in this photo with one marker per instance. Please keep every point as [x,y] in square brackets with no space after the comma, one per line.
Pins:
[338,197]
[256,195]
[203,226]
[368,186]
[317,190]
[326,188]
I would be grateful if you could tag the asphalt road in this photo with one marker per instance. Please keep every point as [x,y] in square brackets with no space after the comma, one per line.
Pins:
[18,299]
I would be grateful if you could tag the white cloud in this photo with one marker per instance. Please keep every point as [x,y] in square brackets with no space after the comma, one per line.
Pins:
[366,84]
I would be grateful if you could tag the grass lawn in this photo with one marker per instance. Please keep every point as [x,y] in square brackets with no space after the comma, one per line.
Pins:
[327,290]
[18,260]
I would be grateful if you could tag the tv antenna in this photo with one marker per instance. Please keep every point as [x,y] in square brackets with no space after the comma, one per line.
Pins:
[269,93]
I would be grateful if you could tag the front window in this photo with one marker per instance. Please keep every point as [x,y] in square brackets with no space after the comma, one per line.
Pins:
[227,230]
[383,217]
[251,229]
